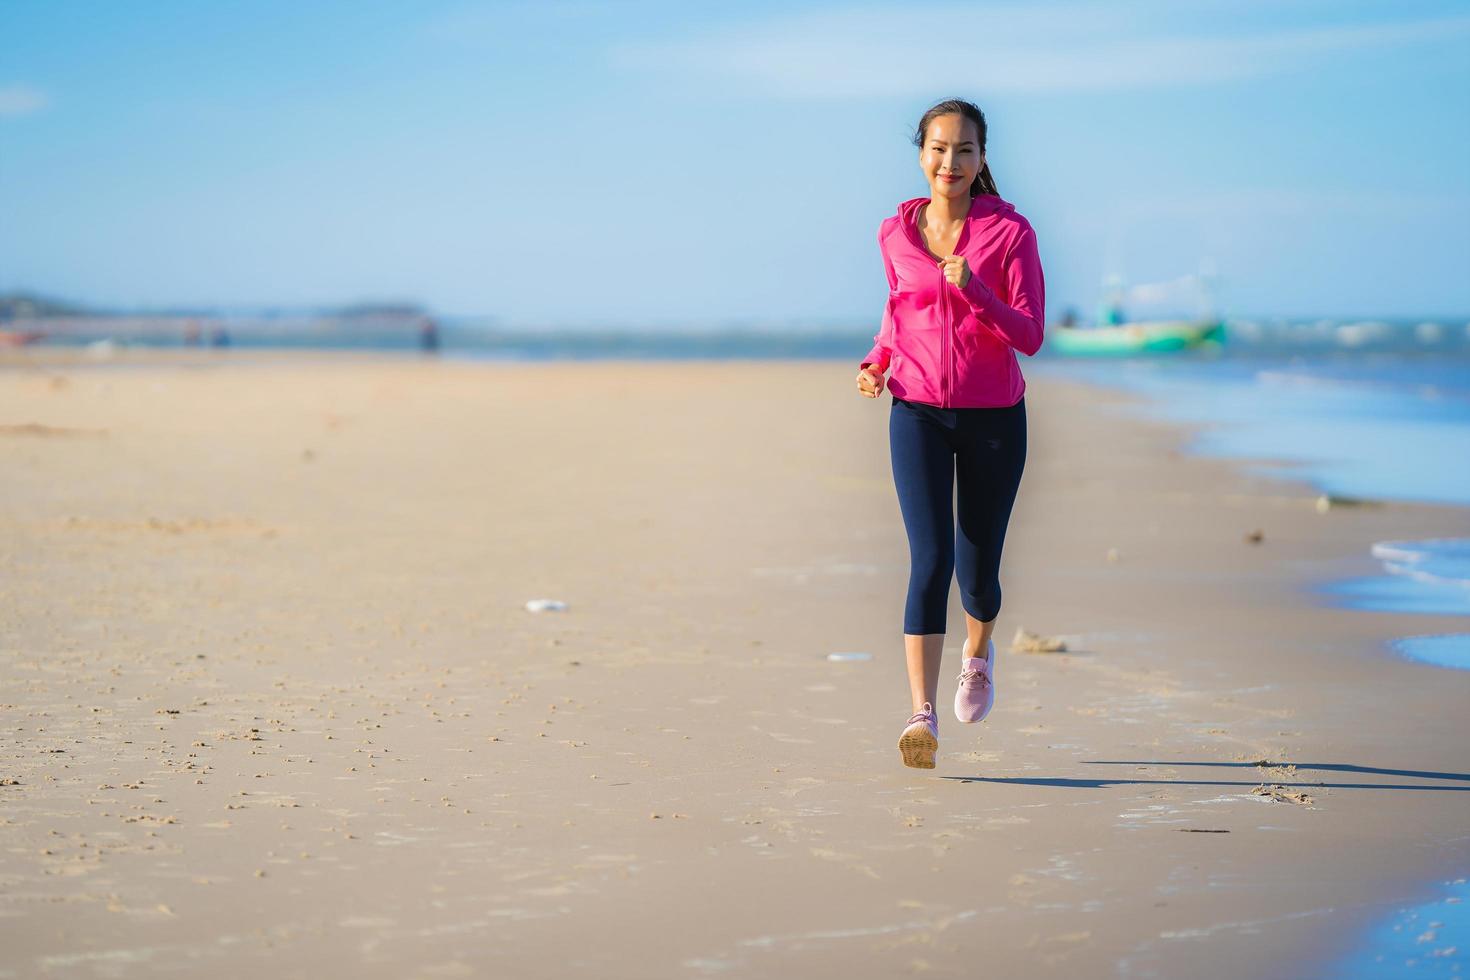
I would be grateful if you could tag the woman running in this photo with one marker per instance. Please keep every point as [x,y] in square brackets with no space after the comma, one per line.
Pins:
[965,291]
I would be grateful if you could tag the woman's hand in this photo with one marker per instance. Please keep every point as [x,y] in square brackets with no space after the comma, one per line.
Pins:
[870,382]
[957,270]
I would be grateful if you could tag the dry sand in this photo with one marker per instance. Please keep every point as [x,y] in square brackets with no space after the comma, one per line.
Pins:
[278,708]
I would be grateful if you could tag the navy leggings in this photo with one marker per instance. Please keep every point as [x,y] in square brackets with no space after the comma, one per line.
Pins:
[939,454]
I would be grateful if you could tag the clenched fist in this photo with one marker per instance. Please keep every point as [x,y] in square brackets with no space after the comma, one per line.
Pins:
[957,270]
[870,382]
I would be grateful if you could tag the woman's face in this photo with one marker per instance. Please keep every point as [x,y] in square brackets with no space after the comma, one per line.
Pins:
[951,157]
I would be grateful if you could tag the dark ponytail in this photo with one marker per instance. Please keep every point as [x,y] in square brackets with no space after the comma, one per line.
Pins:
[984,183]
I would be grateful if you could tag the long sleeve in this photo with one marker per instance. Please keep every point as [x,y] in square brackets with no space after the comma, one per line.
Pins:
[1021,325]
[883,343]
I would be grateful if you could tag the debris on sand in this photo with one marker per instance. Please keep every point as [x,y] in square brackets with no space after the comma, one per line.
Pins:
[1330,501]
[1026,642]
[1282,794]
[1255,537]
[545,605]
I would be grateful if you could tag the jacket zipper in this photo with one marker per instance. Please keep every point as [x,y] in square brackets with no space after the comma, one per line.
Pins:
[946,344]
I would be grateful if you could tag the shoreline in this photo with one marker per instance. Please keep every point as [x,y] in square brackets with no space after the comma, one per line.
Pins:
[1340,422]
[1354,955]
[1376,589]
[351,546]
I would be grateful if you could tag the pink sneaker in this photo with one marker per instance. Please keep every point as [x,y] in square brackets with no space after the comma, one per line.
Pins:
[976,693]
[920,740]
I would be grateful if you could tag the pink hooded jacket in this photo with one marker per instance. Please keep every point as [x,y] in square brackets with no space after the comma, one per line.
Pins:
[954,347]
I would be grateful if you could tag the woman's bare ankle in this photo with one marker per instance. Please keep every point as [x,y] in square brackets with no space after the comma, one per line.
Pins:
[973,647]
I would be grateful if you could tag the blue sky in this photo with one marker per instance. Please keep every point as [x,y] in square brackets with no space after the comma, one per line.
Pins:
[671,163]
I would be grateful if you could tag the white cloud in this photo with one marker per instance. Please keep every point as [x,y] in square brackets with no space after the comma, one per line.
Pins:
[21,100]
[872,52]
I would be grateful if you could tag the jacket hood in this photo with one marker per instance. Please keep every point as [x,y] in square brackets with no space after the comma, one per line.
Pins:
[982,206]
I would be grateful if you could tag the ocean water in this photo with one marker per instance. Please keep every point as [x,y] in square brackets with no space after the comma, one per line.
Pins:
[1386,423]
[1430,576]
[1428,940]
[1377,425]
[1439,649]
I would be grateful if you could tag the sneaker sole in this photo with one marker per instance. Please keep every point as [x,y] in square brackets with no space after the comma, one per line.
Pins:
[918,746]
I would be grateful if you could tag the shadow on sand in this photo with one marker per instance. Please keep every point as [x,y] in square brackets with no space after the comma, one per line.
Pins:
[1263,766]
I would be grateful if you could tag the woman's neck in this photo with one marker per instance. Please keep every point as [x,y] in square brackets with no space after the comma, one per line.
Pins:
[947,210]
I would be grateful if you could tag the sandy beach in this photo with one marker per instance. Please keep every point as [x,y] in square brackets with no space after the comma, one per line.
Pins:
[277,706]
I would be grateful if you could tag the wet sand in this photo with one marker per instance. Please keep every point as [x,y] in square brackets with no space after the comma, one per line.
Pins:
[278,708]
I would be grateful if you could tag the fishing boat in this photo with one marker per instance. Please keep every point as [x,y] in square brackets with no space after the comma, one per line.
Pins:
[1115,332]
[1143,337]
